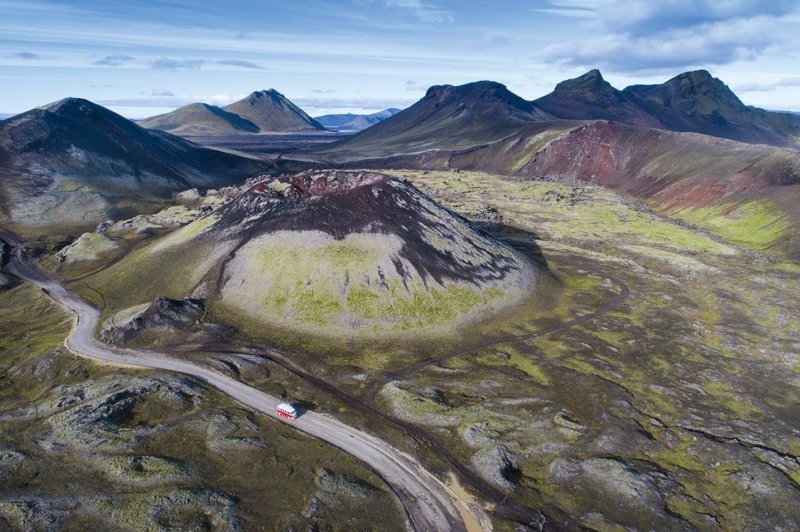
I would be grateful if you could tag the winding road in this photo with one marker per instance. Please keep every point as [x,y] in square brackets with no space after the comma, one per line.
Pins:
[429,504]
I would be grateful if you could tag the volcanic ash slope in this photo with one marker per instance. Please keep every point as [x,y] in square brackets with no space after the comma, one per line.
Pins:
[345,252]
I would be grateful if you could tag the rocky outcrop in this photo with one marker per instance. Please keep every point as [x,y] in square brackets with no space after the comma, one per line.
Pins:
[163,313]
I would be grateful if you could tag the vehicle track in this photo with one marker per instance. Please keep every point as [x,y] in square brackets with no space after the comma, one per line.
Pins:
[503,506]
[428,503]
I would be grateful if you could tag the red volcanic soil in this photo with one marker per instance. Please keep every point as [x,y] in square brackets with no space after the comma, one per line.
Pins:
[673,169]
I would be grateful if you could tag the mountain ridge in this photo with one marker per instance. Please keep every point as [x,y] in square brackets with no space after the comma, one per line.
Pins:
[200,119]
[265,111]
[76,162]
[447,117]
[692,101]
[355,122]
[271,111]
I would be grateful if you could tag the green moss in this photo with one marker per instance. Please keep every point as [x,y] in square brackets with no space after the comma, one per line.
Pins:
[680,455]
[327,286]
[144,468]
[30,323]
[171,266]
[757,224]
[315,306]
[724,394]
[509,355]
[365,302]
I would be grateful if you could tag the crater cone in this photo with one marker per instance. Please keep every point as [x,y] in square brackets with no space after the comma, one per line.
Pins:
[332,252]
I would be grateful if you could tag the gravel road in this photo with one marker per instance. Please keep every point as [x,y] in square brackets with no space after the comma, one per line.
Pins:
[428,503]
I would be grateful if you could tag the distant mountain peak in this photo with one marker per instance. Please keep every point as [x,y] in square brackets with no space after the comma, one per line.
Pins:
[692,92]
[592,75]
[590,85]
[267,93]
[272,111]
[693,101]
[119,165]
[70,104]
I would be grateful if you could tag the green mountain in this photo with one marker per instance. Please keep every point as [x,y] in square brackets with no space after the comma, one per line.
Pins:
[200,119]
[271,111]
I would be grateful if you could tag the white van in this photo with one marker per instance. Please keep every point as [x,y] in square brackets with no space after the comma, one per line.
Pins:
[286,410]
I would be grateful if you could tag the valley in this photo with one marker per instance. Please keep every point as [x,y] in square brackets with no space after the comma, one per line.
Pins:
[498,314]
[642,348]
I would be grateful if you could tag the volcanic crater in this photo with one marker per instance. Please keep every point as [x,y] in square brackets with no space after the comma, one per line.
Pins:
[334,251]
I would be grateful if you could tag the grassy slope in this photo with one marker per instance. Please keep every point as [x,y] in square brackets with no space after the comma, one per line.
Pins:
[688,349]
[611,421]
[736,190]
[178,453]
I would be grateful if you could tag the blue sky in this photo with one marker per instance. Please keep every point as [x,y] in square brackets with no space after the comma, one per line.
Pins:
[142,57]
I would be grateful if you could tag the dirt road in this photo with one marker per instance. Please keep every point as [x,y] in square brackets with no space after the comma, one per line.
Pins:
[428,503]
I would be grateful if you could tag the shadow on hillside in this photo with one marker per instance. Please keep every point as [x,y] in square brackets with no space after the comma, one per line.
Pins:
[519,239]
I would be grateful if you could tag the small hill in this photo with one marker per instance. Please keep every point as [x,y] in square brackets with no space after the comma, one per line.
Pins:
[354,122]
[76,163]
[690,102]
[446,118]
[271,111]
[200,119]
[333,253]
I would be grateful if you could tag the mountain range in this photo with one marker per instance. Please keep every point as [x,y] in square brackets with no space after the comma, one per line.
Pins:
[483,126]
[265,111]
[74,162]
[77,162]
[693,101]
[350,122]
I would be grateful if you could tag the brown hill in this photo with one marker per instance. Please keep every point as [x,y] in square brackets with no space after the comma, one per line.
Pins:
[271,111]
[334,253]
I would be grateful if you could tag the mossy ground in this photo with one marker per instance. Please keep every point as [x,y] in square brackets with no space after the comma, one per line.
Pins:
[705,340]
[757,224]
[173,473]
[688,385]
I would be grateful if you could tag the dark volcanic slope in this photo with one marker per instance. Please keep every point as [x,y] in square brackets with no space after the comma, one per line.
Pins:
[698,102]
[346,251]
[692,102]
[75,162]
[446,118]
[590,97]
[200,119]
[271,111]
[343,203]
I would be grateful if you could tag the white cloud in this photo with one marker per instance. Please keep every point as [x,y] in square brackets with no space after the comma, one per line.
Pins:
[754,86]
[424,12]
[641,17]
[706,44]
[177,64]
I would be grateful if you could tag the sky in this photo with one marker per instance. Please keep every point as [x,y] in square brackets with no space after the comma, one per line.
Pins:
[145,57]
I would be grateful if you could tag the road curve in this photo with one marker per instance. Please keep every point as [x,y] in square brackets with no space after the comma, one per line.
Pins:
[428,503]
